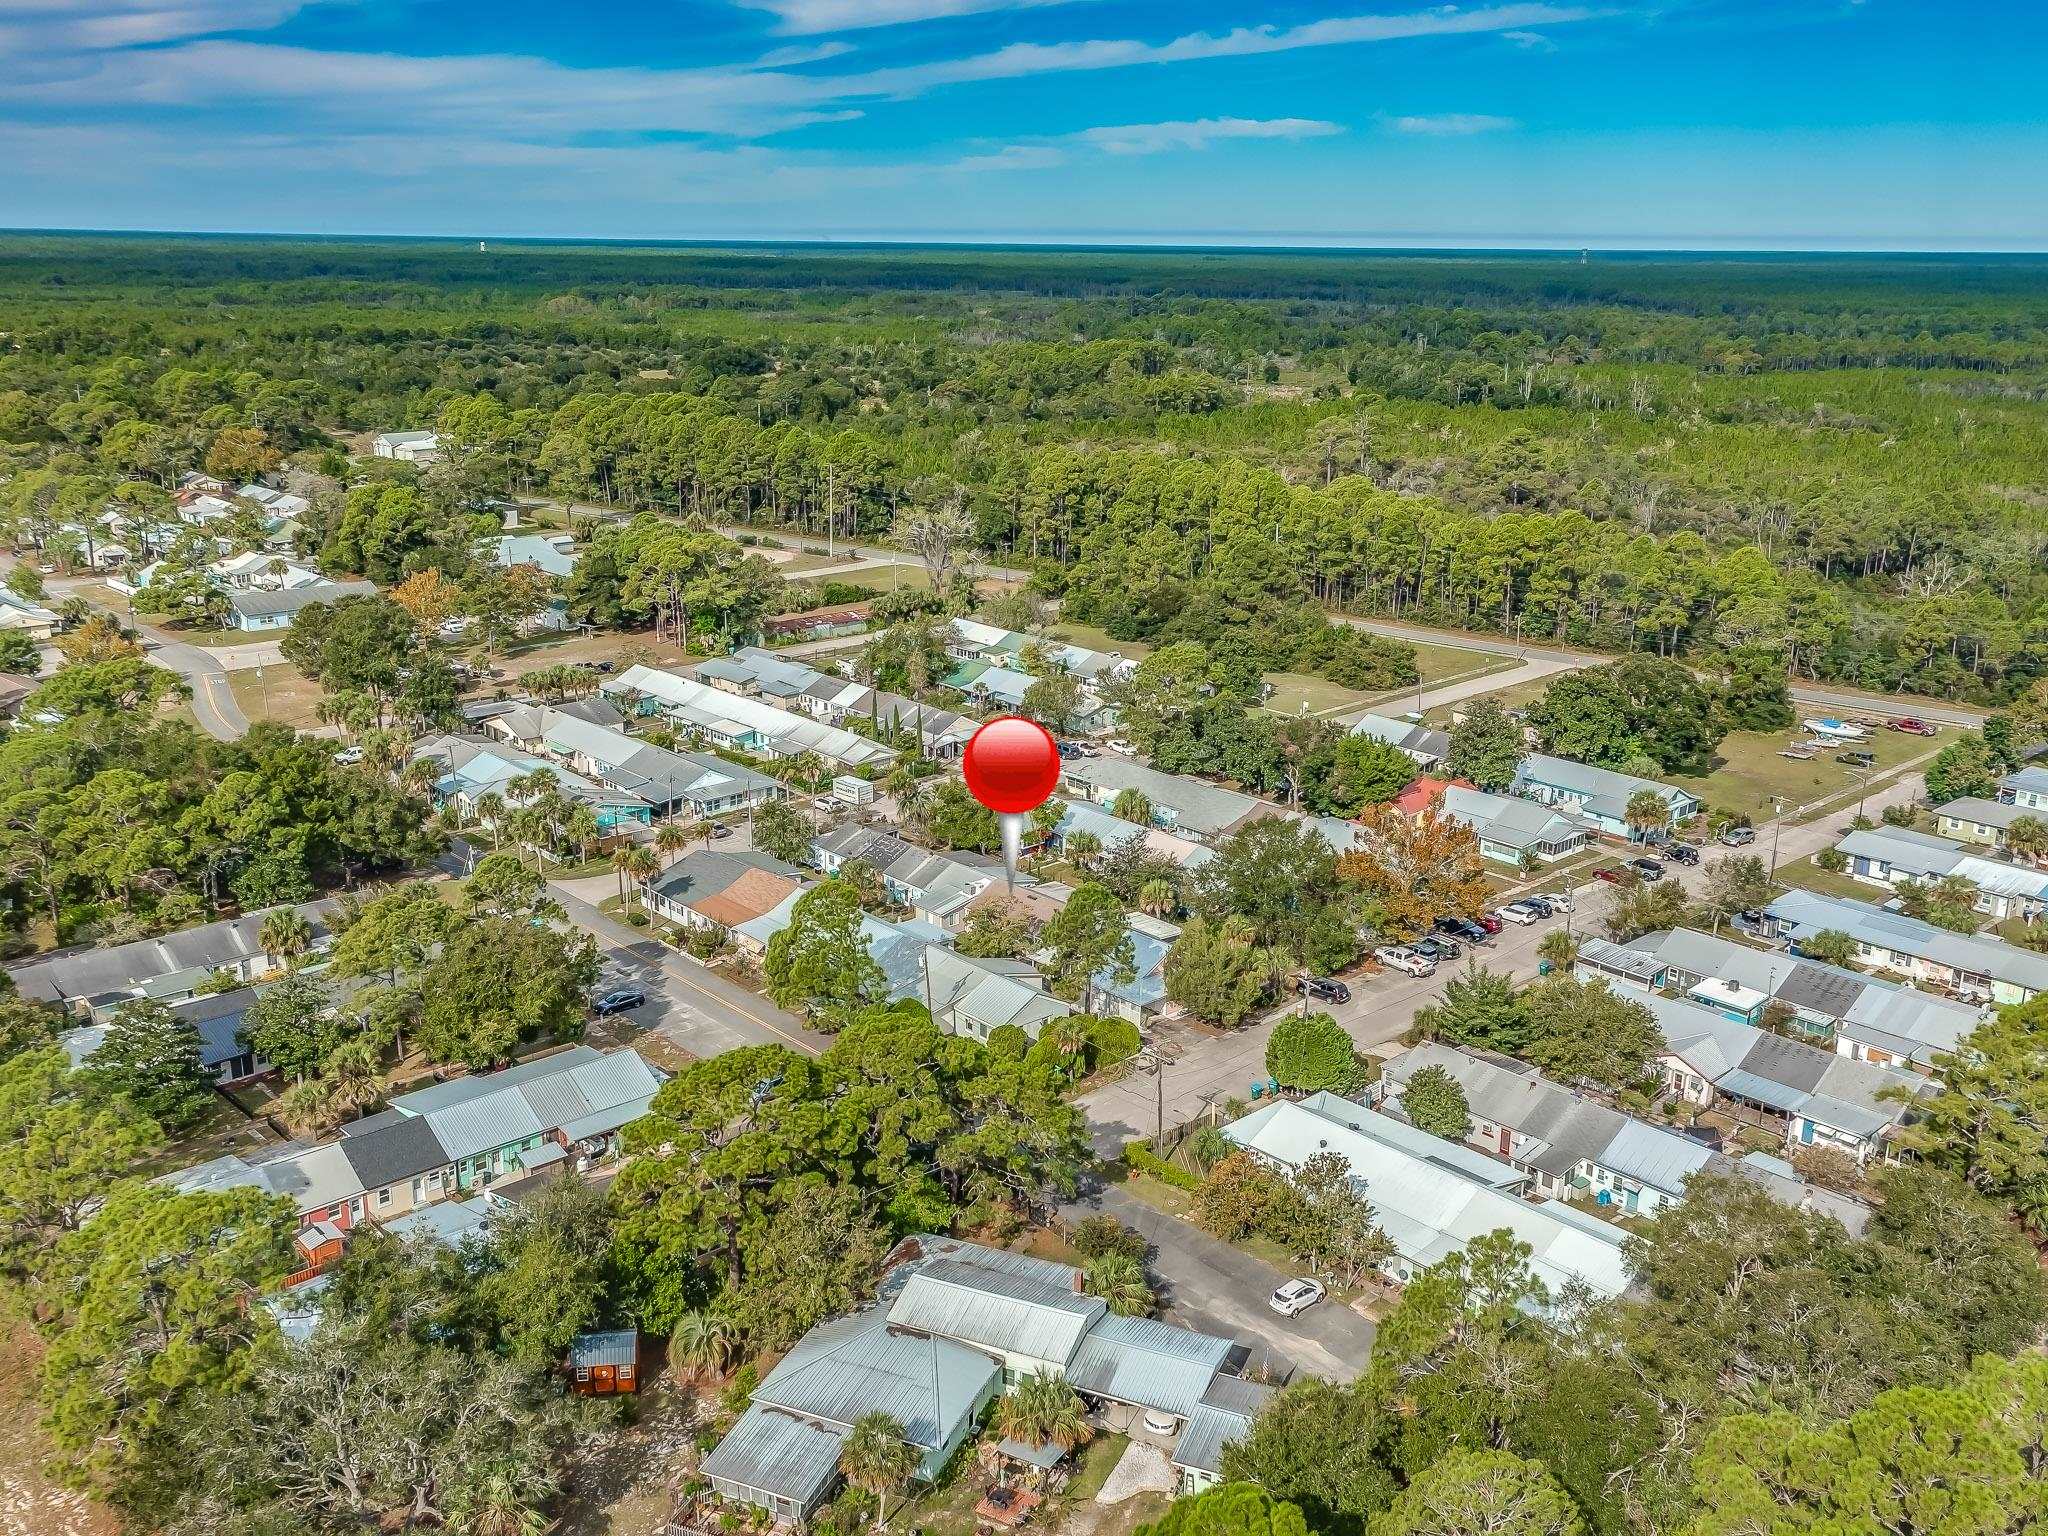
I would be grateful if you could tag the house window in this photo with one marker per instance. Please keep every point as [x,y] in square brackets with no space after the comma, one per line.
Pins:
[383,1197]
[583,1373]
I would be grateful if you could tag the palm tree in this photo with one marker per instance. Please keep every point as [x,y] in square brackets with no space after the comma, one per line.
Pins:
[496,1505]
[1646,812]
[1119,1280]
[672,839]
[1044,1410]
[705,1341]
[581,828]
[2027,838]
[622,866]
[286,934]
[308,1108]
[643,864]
[1560,948]
[1066,1036]
[1157,897]
[1132,805]
[354,1074]
[490,810]
[1082,848]
[877,1459]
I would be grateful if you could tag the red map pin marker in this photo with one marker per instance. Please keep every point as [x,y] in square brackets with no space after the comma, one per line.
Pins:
[1012,767]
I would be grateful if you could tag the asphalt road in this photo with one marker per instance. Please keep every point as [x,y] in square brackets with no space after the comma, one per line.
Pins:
[1210,1286]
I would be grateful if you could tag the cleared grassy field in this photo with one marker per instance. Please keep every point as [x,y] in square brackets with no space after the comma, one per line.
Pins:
[1748,771]
[279,691]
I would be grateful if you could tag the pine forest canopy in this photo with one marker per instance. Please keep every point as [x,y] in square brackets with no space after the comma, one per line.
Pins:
[1837,458]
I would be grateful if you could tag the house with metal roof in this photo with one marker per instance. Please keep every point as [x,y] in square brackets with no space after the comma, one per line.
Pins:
[938,888]
[729,719]
[1895,857]
[976,997]
[474,767]
[1857,1015]
[2026,788]
[1112,831]
[696,783]
[1972,819]
[568,1105]
[1967,964]
[169,968]
[1511,829]
[252,609]
[1571,1147]
[1812,1097]
[1432,1197]
[1224,1415]
[551,554]
[1424,747]
[216,1018]
[1191,807]
[1141,999]
[1599,794]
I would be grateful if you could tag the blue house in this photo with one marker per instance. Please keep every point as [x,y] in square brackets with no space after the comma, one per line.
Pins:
[1599,794]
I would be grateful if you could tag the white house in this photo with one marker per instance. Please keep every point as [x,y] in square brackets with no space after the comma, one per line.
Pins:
[419,447]
[1511,829]
[1421,745]
[1600,794]
[26,616]
[1967,964]
[1895,857]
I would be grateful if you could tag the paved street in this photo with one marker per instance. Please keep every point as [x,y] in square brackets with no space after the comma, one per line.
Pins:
[1211,1286]
[1212,1068]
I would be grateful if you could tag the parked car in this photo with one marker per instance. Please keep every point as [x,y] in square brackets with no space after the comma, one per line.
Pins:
[1752,921]
[1462,928]
[619,1001]
[1438,947]
[1612,874]
[1911,726]
[1738,837]
[1398,957]
[825,803]
[1490,921]
[1296,1296]
[1323,989]
[1681,853]
[601,666]
[1648,869]
[1540,905]
[1559,902]
[1122,746]
[720,829]
[1520,913]
[348,757]
[1857,759]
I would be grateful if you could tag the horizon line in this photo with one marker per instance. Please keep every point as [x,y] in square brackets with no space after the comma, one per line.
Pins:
[1220,241]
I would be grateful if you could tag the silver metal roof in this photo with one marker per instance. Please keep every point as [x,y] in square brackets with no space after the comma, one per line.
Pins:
[773,1452]
[1144,1361]
[861,1364]
[996,1310]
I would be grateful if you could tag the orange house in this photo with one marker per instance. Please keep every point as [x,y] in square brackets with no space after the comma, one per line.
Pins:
[605,1364]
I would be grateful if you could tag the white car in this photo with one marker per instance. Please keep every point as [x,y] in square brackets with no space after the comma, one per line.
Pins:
[825,803]
[1558,900]
[1398,957]
[348,757]
[1296,1296]
[1518,914]
[1123,747]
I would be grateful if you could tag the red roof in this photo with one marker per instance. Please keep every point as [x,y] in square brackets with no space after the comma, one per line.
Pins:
[1425,792]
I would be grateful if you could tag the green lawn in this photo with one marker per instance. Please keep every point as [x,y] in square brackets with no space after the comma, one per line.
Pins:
[1292,690]
[278,691]
[1748,771]
[1809,876]
[1095,638]
[1441,664]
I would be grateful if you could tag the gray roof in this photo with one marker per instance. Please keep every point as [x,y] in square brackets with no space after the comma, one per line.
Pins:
[1208,810]
[1510,820]
[1566,1129]
[921,1248]
[995,1309]
[620,1347]
[774,1452]
[861,1364]
[1143,1361]
[253,603]
[989,992]
[1788,1185]
[1621,960]
[1989,813]
[393,1152]
[2033,778]
[1418,741]
[458,1089]
[1922,855]
[1224,1414]
[446,1222]
[702,874]
[1805,913]
[132,967]
[579,1092]
[1601,789]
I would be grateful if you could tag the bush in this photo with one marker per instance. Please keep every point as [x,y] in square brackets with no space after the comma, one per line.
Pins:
[1311,1051]
[1100,1236]
[1833,860]
[637,918]
[1111,1041]
[1140,1158]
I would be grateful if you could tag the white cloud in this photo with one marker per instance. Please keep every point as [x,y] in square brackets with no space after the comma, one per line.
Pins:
[41,26]
[1011,157]
[801,53]
[1156,138]
[1530,41]
[802,16]
[1451,124]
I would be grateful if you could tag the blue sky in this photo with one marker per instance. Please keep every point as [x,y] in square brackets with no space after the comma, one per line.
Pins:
[1891,124]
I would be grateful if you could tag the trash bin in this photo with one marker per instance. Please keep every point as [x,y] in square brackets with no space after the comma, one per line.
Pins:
[1542,967]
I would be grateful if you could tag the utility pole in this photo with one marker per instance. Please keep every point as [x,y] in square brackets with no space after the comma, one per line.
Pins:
[1151,1055]
[1777,826]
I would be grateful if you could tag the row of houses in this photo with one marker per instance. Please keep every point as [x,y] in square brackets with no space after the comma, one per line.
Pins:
[1968,965]
[741,721]
[260,590]
[1893,858]
[992,668]
[169,968]
[444,1142]
[752,672]
[1973,819]
[586,736]
[1864,1017]
[954,1326]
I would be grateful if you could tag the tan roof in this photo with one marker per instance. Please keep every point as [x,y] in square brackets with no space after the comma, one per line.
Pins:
[755,894]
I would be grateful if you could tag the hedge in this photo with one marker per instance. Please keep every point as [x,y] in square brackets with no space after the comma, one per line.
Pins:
[1143,1159]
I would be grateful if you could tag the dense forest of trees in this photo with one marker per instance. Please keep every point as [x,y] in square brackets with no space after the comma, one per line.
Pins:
[1835,459]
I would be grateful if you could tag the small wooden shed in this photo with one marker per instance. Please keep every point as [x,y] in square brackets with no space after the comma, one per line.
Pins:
[604,1364]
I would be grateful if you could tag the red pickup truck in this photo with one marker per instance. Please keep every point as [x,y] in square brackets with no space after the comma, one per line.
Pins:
[1911,726]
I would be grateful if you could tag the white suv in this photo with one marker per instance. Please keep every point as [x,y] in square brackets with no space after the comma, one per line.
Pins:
[1558,900]
[1515,912]
[1398,957]
[1296,1296]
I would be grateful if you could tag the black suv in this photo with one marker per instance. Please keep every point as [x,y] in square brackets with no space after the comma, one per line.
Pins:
[1462,928]
[1649,869]
[1323,989]
[1681,853]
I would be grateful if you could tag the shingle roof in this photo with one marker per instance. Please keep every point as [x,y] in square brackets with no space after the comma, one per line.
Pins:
[1806,913]
[132,967]
[394,1152]
[1205,809]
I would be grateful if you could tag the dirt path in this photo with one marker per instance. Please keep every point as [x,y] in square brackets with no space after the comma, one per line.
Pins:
[31,1503]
